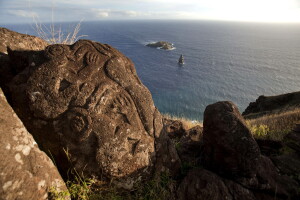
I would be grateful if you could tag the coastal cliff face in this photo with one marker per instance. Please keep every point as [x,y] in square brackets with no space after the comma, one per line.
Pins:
[265,105]
[85,104]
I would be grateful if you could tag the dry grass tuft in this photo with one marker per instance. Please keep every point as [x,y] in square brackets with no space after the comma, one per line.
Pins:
[274,126]
[188,123]
[54,35]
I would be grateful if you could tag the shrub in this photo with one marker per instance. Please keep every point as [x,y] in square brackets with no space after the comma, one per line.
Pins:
[260,131]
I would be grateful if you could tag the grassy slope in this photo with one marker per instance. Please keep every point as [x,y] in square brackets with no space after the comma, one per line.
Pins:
[274,126]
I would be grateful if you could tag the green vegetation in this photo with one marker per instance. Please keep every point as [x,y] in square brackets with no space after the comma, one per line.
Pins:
[158,188]
[259,131]
[274,126]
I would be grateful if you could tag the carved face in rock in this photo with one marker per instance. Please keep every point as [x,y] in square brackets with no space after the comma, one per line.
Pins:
[96,105]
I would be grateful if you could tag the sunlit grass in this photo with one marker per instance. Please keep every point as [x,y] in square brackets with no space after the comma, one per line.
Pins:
[274,126]
[158,188]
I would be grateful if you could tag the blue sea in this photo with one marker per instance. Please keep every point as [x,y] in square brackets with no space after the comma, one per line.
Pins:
[223,60]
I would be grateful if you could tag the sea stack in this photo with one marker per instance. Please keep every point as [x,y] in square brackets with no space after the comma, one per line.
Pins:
[181,60]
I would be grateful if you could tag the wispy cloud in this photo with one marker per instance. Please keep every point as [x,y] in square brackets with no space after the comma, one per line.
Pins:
[22,13]
[104,13]
[72,10]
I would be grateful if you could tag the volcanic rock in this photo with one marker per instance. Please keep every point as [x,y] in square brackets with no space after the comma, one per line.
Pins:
[161,45]
[195,133]
[167,159]
[175,128]
[13,41]
[229,148]
[25,171]
[18,41]
[86,101]
[201,184]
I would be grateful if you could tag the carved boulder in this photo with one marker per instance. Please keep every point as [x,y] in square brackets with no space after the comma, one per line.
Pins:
[87,102]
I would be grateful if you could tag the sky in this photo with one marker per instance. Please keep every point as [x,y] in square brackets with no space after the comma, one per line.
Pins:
[23,11]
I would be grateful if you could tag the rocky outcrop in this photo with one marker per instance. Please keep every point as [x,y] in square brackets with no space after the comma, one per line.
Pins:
[10,40]
[237,168]
[272,104]
[87,99]
[18,41]
[25,171]
[229,148]
[161,45]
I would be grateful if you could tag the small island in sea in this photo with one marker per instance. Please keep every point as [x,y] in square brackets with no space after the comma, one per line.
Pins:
[161,45]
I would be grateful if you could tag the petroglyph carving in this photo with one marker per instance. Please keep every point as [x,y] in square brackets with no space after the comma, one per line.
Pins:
[95,107]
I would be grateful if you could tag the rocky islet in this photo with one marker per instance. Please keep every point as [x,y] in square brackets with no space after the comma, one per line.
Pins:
[161,45]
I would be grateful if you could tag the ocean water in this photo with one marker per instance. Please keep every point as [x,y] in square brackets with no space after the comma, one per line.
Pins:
[223,60]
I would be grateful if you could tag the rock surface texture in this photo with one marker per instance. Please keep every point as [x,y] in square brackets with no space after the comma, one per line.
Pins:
[86,100]
[18,41]
[25,171]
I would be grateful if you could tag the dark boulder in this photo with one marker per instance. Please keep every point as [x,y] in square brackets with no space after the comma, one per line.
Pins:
[231,151]
[229,148]
[25,171]
[87,99]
